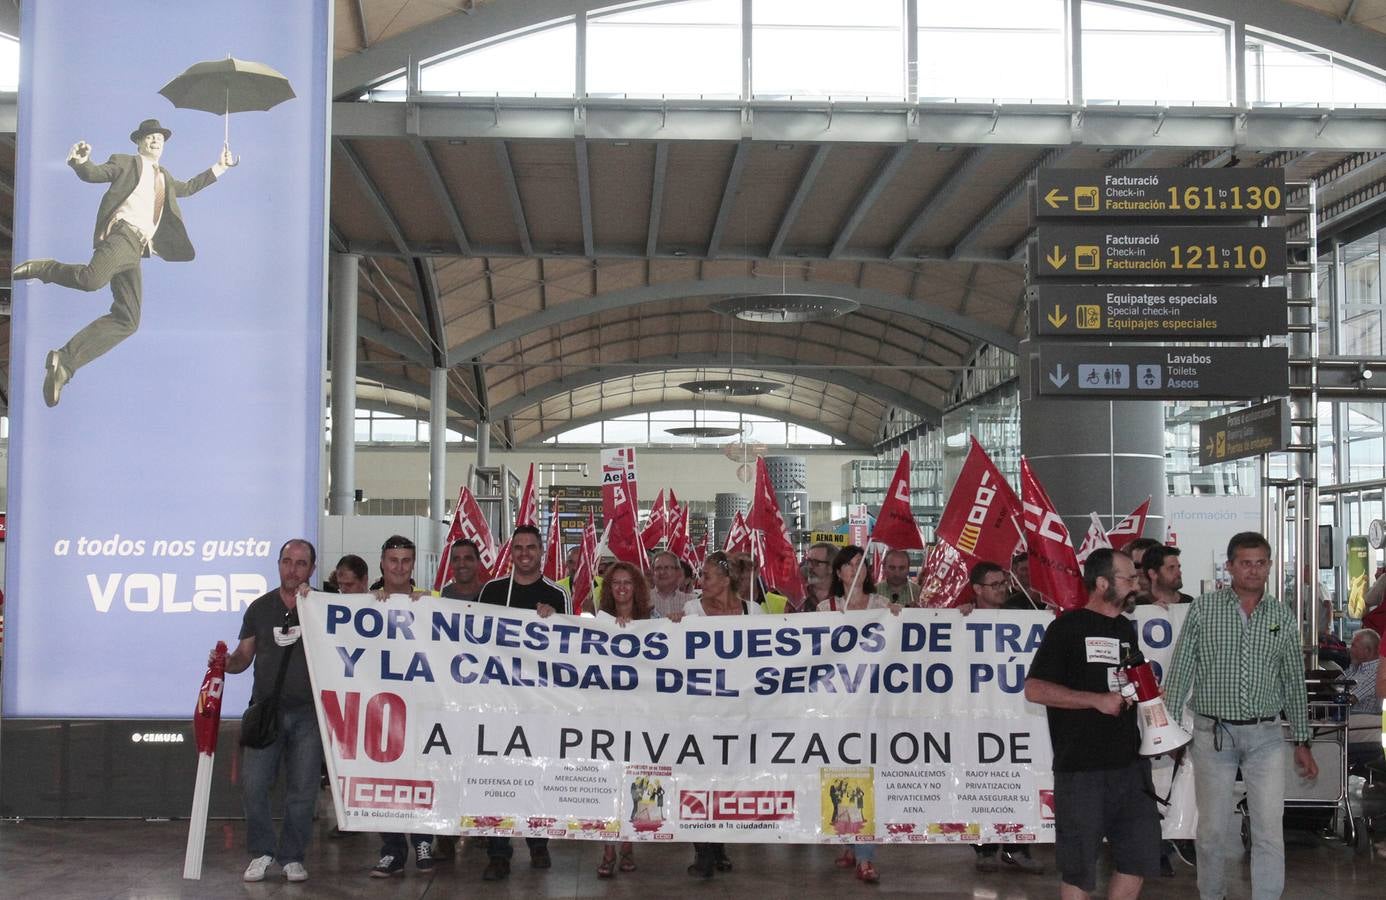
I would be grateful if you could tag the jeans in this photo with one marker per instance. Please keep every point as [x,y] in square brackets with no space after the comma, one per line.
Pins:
[499,847]
[299,747]
[392,843]
[1259,751]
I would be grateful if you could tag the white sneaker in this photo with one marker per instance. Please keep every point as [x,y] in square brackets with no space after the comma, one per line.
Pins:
[256,870]
[294,871]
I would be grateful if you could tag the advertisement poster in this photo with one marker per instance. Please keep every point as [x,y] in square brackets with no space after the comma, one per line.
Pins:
[444,717]
[166,378]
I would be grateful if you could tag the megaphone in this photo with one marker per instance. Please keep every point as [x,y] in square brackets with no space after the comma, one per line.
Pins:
[1159,734]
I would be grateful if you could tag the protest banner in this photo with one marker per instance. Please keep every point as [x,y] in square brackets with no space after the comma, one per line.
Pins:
[444,717]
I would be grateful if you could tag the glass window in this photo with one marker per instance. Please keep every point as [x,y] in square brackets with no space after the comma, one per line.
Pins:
[822,48]
[541,62]
[687,49]
[1359,310]
[9,63]
[627,430]
[1282,74]
[1364,442]
[992,50]
[584,434]
[1137,56]
[387,427]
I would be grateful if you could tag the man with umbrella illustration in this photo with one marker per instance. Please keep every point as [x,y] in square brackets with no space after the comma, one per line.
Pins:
[138,217]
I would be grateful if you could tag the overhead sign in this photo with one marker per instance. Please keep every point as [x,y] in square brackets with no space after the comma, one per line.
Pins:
[1099,372]
[1159,193]
[828,537]
[1161,252]
[1264,428]
[1148,313]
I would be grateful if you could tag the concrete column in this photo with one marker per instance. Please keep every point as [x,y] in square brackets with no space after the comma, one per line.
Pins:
[342,464]
[483,444]
[437,443]
[1096,456]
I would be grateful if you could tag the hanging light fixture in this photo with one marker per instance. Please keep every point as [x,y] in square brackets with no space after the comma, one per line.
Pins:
[785,308]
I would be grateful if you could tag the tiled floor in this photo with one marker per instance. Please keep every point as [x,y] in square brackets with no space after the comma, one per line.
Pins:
[54,860]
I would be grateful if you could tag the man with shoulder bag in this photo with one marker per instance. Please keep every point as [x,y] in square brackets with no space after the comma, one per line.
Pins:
[280,727]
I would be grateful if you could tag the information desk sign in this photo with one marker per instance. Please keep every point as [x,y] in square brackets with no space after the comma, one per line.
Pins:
[1156,312]
[1100,372]
[1263,428]
[1159,193]
[1157,252]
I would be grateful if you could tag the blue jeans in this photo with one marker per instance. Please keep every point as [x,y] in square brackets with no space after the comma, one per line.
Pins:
[299,747]
[500,847]
[1259,751]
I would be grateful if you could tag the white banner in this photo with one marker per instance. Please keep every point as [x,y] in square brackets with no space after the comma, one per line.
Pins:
[446,717]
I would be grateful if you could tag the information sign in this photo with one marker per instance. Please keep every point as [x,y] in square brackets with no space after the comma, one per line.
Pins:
[1152,313]
[1263,428]
[1159,193]
[1100,372]
[1159,252]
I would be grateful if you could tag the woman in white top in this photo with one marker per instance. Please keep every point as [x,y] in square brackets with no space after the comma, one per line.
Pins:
[625,597]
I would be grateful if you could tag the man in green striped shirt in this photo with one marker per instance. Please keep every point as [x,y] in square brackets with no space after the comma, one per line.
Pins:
[1239,652]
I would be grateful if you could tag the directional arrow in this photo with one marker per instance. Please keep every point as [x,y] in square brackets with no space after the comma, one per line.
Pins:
[1054,198]
[1055,258]
[1057,318]
[1057,377]
[1209,448]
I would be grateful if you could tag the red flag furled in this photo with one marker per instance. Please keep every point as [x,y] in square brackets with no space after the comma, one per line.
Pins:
[739,536]
[679,543]
[878,555]
[657,528]
[467,522]
[555,566]
[584,574]
[943,579]
[502,567]
[1054,570]
[981,516]
[624,540]
[528,513]
[895,525]
[778,563]
[1095,538]
[206,724]
[1129,528]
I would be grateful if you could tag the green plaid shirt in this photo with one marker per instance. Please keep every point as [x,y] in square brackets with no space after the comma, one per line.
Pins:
[1239,670]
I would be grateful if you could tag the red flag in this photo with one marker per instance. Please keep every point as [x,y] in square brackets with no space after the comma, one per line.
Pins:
[1054,570]
[778,563]
[502,566]
[528,513]
[878,553]
[467,522]
[739,536]
[555,566]
[657,528]
[980,517]
[679,543]
[895,525]
[624,540]
[207,716]
[943,579]
[1095,539]
[1129,528]
[583,575]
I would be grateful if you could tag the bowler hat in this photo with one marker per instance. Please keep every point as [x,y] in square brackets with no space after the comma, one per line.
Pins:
[147,127]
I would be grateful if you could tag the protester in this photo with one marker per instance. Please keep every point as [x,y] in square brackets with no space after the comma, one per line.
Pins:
[269,638]
[524,588]
[818,573]
[1101,783]
[464,558]
[719,599]
[351,574]
[898,588]
[1238,665]
[749,586]
[1023,593]
[666,593]
[397,557]
[626,598]
[1159,566]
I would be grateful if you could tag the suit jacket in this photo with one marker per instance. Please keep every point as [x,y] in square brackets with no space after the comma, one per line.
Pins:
[122,170]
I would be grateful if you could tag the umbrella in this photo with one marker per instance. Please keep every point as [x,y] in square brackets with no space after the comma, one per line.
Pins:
[224,86]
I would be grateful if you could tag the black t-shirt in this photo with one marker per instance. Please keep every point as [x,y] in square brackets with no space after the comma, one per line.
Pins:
[265,620]
[1081,650]
[524,596]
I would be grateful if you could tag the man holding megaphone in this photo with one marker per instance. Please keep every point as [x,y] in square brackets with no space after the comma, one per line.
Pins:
[1101,781]
[1238,663]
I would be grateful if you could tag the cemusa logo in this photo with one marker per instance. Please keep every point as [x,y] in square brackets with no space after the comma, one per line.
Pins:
[156,737]
[736,806]
[389,793]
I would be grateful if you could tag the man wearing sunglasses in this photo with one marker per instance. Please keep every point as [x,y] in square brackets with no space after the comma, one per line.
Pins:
[269,630]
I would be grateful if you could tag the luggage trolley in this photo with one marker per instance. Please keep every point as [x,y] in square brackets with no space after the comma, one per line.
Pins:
[1328,723]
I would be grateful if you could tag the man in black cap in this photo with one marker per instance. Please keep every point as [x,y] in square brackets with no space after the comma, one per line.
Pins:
[138,216]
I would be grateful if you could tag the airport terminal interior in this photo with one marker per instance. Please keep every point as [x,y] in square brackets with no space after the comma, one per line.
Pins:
[812,232]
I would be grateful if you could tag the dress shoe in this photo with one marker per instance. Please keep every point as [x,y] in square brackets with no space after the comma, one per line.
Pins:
[55,375]
[34,268]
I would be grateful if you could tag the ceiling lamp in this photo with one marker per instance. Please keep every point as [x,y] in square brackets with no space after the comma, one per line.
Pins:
[731,387]
[785,309]
[703,431]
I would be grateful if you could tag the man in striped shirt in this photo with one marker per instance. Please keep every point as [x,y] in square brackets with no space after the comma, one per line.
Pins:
[1239,665]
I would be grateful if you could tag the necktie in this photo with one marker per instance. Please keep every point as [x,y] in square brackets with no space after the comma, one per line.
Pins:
[158,195]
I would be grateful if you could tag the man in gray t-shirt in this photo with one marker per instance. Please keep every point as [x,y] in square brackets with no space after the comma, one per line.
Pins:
[465,562]
[270,632]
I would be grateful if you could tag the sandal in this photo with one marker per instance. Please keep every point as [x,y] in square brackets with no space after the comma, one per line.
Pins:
[627,859]
[847,860]
[867,872]
[607,867]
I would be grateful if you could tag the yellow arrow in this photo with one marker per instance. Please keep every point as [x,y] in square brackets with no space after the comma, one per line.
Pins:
[1057,318]
[1055,258]
[1054,198]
